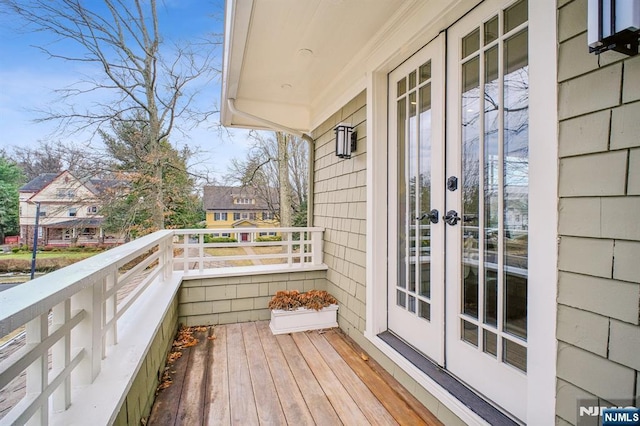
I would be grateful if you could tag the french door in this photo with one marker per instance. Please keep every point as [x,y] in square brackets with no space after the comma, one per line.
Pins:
[458,284]
[416,277]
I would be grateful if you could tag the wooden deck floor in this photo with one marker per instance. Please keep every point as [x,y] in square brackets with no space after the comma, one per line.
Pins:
[247,376]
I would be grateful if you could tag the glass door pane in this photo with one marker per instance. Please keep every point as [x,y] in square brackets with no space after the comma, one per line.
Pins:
[413,116]
[416,164]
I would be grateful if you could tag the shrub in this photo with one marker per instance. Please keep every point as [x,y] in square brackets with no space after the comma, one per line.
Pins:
[210,239]
[15,249]
[268,238]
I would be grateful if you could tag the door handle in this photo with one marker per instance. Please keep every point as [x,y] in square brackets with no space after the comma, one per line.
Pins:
[452,217]
[433,216]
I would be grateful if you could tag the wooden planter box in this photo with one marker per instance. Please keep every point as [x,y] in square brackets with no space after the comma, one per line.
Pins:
[303,319]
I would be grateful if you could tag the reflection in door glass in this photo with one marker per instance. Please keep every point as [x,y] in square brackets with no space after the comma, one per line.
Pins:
[402,196]
[516,183]
[414,191]
[424,182]
[412,143]
[495,187]
[470,185]
[491,212]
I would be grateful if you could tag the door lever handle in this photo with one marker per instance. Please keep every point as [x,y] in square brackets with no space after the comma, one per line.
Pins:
[433,216]
[452,217]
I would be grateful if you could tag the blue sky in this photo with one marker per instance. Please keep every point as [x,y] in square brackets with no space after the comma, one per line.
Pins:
[28,78]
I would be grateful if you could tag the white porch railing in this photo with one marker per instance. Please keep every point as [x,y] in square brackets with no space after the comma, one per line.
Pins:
[72,316]
[298,247]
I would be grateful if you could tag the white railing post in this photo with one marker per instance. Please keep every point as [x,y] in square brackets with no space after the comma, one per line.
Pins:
[201,251]
[88,334]
[61,356]
[316,247]
[167,258]
[38,371]
[289,248]
[185,252]
[110,311]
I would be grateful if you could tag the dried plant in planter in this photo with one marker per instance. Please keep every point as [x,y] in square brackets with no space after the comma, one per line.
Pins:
[290,300]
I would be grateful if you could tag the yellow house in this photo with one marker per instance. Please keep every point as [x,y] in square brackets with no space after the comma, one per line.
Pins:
[229,207]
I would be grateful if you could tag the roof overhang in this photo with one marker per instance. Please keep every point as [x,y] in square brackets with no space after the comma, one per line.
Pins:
[286,61]
[295,63]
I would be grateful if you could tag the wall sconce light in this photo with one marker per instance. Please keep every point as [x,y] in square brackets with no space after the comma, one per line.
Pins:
[613,25]
[346,139]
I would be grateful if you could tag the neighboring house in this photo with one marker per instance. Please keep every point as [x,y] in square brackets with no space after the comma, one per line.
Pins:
[520,304]
[69,210]
[238,207]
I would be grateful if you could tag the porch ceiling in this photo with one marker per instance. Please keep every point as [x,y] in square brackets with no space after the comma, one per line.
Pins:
[283,58]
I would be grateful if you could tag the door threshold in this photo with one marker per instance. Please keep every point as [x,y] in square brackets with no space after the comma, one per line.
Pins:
[455,387]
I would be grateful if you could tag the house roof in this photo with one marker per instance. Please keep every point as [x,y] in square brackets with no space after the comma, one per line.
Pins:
[216,197]
[38,183]
[77,223]
[96,186]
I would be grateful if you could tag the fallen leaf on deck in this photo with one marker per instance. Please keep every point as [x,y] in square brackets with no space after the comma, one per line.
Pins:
[364,357]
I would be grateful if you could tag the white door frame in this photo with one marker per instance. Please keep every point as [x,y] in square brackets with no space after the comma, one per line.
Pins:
[405,39]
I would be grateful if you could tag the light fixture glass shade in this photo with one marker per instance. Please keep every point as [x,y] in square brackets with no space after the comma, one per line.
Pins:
[344,134]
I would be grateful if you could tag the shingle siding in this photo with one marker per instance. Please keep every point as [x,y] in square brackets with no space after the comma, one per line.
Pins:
[599,220]
[340,208]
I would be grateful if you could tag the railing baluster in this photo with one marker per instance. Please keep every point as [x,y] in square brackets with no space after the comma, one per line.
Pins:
[110,311]
[167,261]
[87,335]
[316,247]
[61,356]
[185,253]
[201,252]
[37,372]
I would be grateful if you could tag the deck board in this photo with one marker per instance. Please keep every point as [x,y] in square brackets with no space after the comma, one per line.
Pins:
[246,375]
[321,409]
[165,409]
[268,404]
[403,406]
[241,397]
[191,407]
[293,403]
[345,406]
[217,409]
[373,410]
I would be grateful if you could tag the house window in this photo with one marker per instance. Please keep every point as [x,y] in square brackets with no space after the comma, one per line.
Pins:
[65,193]
[226,234]
[244,201]
[92,209]
[267,215]
[43,211]
[236,216]
[219,216]
[73,212]
[252,216]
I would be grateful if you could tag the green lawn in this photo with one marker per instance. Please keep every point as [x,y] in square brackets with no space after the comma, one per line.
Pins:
[48,255]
